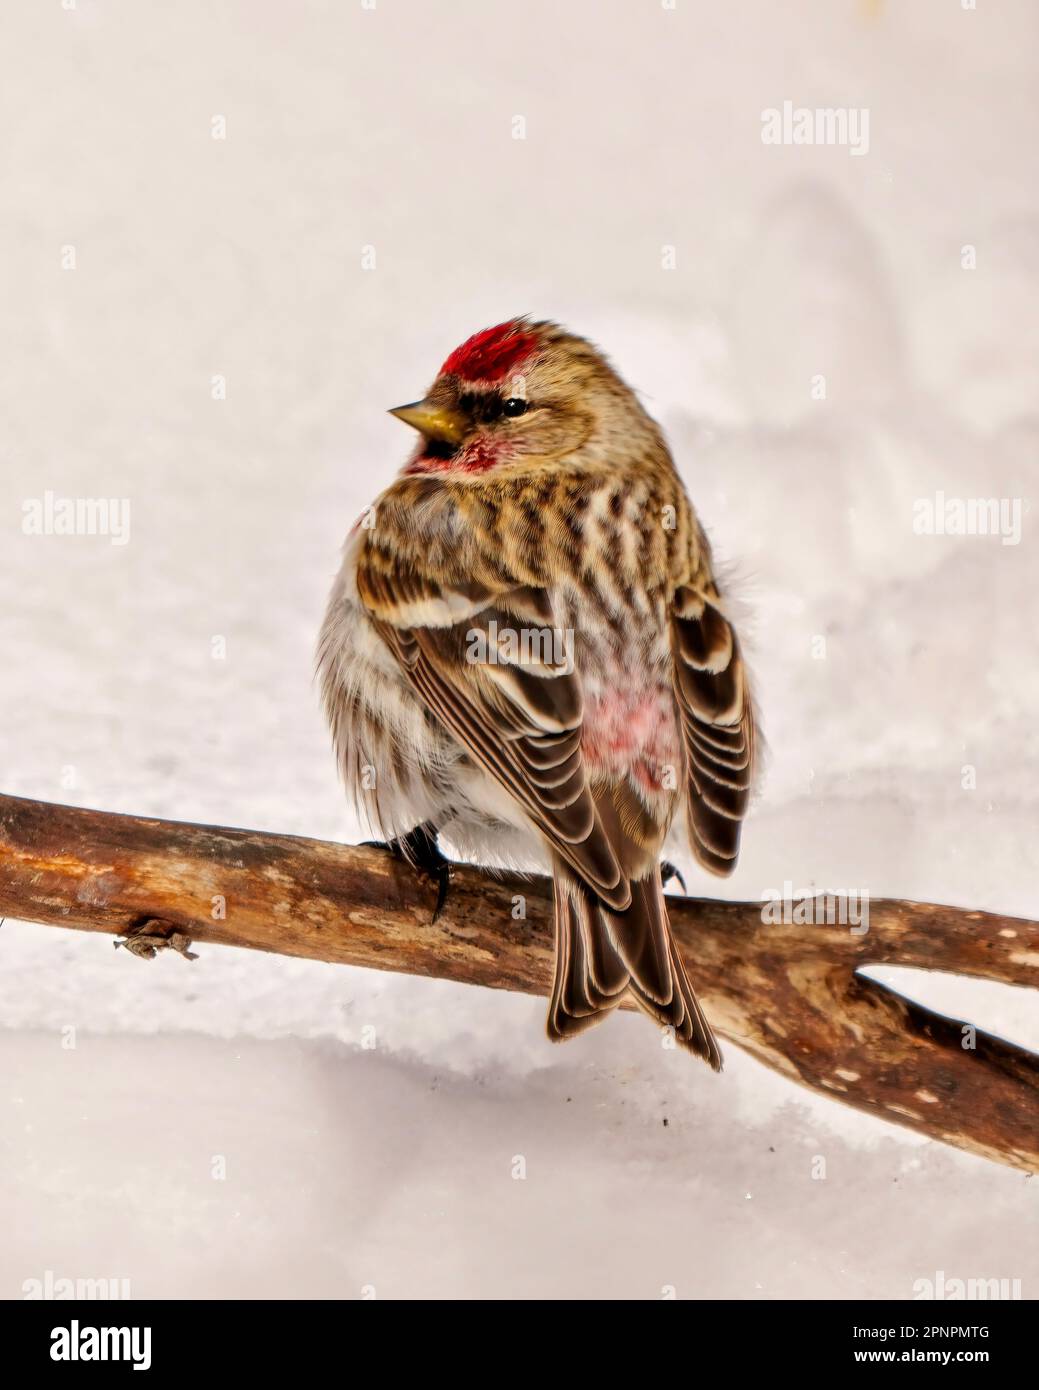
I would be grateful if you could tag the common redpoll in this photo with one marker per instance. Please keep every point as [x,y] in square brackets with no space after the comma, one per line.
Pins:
[526,653]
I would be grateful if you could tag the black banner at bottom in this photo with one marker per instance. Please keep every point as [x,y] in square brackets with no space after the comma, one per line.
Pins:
[175,1339]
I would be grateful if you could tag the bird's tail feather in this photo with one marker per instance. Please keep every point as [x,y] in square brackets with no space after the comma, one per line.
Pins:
[602,954]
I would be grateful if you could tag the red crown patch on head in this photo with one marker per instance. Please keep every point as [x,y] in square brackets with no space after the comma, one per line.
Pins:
[490,355]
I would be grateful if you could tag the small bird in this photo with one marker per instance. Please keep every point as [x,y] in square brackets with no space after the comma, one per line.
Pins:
[526,653]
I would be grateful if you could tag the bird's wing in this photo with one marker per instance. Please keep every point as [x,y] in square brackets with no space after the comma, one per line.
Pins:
[519,717]
[717,715]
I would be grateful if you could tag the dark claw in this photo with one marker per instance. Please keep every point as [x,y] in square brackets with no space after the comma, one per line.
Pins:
[419,848]
[668,871]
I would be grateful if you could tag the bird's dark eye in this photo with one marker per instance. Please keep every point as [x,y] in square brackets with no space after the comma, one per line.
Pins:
[514,406]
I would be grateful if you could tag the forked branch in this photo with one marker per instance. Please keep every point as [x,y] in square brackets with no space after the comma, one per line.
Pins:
[788,994]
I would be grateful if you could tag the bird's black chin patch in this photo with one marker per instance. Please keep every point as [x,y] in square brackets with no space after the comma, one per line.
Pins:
[439,449]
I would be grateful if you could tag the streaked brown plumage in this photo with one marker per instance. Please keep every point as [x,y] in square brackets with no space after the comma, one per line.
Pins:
[526,649]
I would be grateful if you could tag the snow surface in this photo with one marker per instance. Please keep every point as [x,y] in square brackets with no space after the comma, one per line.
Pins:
[392,1169]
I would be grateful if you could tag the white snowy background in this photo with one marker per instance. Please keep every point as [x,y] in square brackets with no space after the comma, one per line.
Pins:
[392,127]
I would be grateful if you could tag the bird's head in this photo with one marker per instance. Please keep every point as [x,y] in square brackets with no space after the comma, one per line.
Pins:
[519,391]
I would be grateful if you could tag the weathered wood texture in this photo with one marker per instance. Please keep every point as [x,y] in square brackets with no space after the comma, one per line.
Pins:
[788,994]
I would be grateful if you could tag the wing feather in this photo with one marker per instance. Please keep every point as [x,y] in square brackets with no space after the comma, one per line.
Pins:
[520,723]
[717,717]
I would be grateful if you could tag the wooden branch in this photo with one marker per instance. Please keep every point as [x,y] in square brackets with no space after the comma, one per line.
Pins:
[788,994]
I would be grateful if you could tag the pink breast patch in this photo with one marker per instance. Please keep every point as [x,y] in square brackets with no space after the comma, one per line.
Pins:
[633,734]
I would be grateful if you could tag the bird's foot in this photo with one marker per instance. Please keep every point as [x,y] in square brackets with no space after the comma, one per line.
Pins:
[668,871]
[419,848]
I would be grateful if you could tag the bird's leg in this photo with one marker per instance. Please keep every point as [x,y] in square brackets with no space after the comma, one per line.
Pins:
[668,871]
[419,848]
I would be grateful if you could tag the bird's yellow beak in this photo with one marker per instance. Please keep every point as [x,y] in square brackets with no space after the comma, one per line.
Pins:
[434,421]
